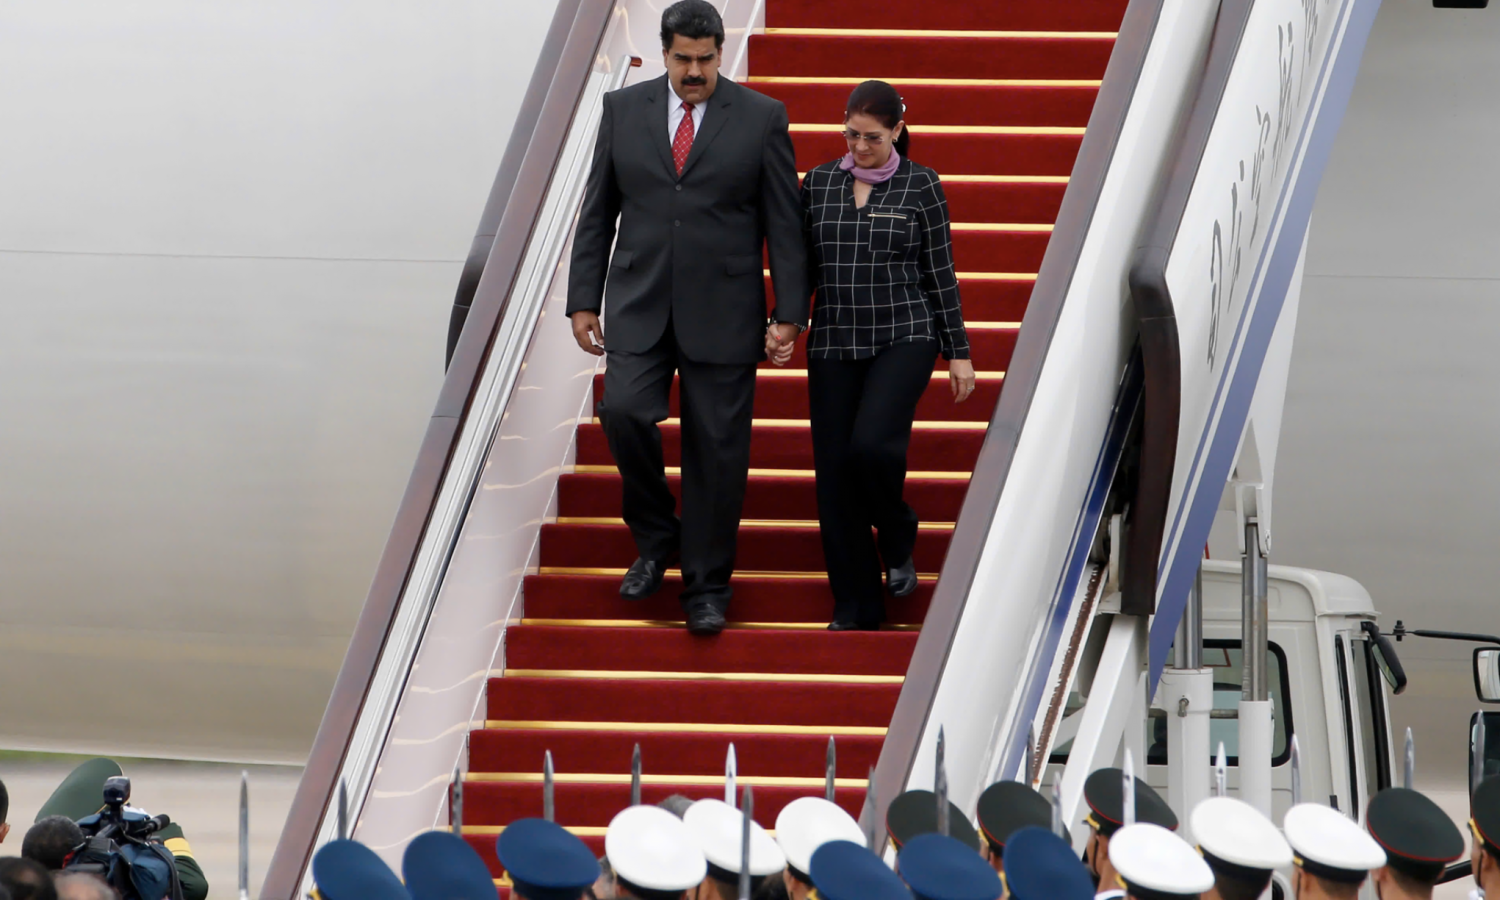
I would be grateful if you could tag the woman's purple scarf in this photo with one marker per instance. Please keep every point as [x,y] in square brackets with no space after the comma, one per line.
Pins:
[872,176]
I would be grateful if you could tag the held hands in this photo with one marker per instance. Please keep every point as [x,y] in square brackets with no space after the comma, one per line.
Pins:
[781,337]
[961,379]
[588,332]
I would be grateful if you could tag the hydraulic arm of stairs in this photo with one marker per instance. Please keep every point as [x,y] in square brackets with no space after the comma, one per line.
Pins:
[489,635]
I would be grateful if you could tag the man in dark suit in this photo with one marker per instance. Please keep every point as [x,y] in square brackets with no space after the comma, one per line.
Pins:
[700,173]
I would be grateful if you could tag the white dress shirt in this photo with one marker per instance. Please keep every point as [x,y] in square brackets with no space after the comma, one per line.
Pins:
[674,115]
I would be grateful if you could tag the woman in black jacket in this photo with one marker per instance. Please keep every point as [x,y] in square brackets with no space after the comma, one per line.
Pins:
[886,306]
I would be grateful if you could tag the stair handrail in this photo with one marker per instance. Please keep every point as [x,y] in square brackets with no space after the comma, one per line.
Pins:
[483,362]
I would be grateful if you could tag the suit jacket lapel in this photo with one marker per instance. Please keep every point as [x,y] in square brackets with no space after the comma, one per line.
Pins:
[713,119]
[656,123]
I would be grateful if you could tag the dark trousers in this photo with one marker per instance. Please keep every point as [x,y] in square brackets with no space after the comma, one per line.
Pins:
[862,412]
[717,402]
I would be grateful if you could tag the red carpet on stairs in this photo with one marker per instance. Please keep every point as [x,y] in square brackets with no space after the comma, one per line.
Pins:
[998,94]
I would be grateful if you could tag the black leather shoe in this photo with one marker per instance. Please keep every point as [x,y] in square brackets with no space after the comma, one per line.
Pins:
[643,579]
[837,625]
[705,620]
[901,580]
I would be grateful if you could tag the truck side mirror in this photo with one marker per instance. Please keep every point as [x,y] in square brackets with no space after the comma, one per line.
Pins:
[1487,674]
[1385,657]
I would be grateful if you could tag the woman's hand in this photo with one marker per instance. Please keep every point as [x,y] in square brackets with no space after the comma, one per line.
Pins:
[961,379]
[780,339]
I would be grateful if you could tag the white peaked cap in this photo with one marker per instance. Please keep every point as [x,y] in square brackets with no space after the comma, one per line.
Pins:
[1151,857]
[1327,837]
[718,830]
[1238,833]
[651,848]
[808,823]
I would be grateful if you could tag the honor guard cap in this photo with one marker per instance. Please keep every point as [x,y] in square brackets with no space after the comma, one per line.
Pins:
[545,860]
[348,870]
[915,812]
[1418,837]
[651,848]
[1042,866]
[936,867]
[82,792]
[1232,833]
[1328,845]
[808,823]
[1156,864]
[719,830]
[845,870]
[1484,813]
[1104,792]
[440,866]
[1006,807]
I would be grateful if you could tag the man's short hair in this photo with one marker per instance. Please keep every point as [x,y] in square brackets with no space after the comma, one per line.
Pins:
[695,19]
[83,886]
[26,879]
[4,804]
[51,840]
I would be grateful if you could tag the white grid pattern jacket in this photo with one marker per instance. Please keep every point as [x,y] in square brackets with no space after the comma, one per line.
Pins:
[884,273]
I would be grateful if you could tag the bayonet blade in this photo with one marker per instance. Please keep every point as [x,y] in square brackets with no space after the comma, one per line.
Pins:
[1411,761]
[1296,772]
[635,776]
[549,808]
[343,810]
[1476,770]
[867,815]
[1127,787]
[830,770]
[1221,773]
[940,786]
[731,770]
[1057,816]
[1028,763]
[749,809]
[244,835]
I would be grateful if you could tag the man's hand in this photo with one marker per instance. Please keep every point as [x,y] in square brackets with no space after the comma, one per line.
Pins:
[961,379]
[781,338]
[588,332]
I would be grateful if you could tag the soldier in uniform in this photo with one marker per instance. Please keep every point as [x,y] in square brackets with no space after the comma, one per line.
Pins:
[1104,792]
[938,867]
[1240,845]
[1155,864]
[719,830]
[1419,842]
[915,812]
[1484,822]
[654,855]
[348,870]
[803,826]
[545,861]
[440,866]
[1041,866]
[845,870]
[1006,807]
[1333,855]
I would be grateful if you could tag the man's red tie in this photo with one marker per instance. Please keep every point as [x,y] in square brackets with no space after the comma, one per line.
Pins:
[683,142]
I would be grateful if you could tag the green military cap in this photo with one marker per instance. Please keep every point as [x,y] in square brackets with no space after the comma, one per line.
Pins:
[1104,792]
[1417,836]
[1006,807]
[915,812]
[1484,814]
[82,792]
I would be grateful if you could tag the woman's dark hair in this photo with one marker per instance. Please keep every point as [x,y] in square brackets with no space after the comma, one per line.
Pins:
[880,101]
[694,19]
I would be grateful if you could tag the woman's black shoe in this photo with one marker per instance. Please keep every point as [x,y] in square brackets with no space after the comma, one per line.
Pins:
[901,580]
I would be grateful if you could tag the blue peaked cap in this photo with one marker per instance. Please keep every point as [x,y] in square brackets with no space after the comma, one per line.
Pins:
[348,870]
[1039,865]
[844,870]
[439,866]
[938,867]
[545,861]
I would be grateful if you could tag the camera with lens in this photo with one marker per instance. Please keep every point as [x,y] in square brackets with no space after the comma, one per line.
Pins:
[120,847]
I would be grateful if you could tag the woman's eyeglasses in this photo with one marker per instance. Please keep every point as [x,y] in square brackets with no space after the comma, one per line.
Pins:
[874,140]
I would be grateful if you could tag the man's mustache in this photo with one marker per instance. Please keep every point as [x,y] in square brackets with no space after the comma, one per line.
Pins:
[694,81]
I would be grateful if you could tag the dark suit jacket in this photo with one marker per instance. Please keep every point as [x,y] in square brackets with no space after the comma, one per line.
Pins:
[691,247]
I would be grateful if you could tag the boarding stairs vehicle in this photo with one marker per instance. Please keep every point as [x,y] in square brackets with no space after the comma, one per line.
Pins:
[1130,183]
